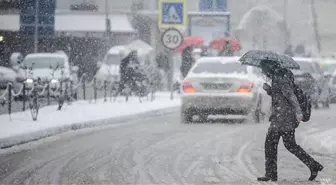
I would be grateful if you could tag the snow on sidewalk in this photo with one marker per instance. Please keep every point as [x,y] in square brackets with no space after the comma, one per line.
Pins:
[322,142]
[320,132]
[78,114]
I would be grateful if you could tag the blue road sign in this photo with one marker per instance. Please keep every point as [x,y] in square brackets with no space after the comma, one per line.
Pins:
[46,17]
[172,14]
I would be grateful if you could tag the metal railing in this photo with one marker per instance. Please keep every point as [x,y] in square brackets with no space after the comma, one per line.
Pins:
[67,91]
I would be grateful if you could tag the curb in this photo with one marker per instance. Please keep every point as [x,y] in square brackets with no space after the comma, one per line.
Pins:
[34,136]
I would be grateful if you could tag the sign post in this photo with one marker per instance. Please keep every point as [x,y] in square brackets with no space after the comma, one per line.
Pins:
[172,16]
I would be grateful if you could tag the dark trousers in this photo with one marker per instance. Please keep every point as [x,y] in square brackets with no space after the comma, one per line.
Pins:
[271,151]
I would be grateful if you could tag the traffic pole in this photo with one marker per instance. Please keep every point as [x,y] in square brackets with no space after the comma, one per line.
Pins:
[171,77]
[36,26]
[171,38]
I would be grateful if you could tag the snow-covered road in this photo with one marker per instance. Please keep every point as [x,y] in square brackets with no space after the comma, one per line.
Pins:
[161,150]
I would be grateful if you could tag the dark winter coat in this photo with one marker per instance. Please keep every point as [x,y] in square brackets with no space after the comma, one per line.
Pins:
[285,105]
[187,62]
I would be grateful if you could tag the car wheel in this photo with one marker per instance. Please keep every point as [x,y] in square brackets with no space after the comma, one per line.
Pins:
[257,114]
[186,117]
[202,118]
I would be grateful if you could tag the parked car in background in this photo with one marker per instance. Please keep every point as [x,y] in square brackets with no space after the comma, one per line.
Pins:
[221,85]
[332,84]
[109,68]
[328,66]
[310,77]
[49,68]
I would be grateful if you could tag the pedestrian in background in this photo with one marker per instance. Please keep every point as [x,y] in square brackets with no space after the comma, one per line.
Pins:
[187,61]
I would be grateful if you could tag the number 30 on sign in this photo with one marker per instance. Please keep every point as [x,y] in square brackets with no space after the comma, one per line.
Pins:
[172,38]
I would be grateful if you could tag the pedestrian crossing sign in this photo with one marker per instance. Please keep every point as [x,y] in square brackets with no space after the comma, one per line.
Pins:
[172,14]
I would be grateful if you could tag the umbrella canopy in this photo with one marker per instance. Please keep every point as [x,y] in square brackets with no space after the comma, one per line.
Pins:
[116,50]
[220,43]
[254,57]
[141,47]
[190,41]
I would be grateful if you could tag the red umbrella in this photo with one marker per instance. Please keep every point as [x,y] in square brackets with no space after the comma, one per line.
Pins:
[220,43]
[190,41]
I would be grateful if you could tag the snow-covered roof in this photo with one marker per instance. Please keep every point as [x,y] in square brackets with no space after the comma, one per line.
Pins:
[75,23]
[217,59]
[116,50]
[141,47]
[329,61]
[305,59]
[90,22]
[38,55]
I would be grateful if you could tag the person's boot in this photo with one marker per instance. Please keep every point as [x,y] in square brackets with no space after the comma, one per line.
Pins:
[265,178]
[314,171]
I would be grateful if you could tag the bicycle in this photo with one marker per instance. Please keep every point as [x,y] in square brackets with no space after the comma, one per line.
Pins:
[33,98]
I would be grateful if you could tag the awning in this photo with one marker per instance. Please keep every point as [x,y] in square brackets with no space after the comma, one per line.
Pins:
[10,22]
[76,23]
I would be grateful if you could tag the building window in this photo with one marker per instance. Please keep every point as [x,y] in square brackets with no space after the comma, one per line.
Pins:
[9,4]
[213,5]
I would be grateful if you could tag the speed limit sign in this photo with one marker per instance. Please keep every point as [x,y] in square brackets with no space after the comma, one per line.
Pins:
[172,38]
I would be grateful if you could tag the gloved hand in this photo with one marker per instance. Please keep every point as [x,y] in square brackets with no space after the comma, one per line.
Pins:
[266,87]
[299,116]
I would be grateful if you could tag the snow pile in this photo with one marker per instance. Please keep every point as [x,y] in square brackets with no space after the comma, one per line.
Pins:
[322,142]
[80,114]
[7,74]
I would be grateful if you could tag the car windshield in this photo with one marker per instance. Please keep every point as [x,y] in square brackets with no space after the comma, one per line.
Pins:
[219,67]
[112,60]
[307,67]
[44,62]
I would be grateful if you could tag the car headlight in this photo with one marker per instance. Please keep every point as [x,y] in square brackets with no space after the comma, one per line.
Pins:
[54,84]
[29,83]
[53,81]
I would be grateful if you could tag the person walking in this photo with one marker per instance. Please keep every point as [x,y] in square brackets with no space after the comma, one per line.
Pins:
[285,118]
[187,61]
[227,50]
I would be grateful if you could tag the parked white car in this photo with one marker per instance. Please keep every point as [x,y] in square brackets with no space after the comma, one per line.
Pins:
[49,68]
[221,85]
[109,68]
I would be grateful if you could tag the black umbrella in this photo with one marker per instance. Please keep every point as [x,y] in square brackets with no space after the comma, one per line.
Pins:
[254,57]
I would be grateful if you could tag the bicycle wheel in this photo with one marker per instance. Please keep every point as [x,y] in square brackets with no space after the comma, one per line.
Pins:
[61,99]
[127,92]
[34,105]
[114,91]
